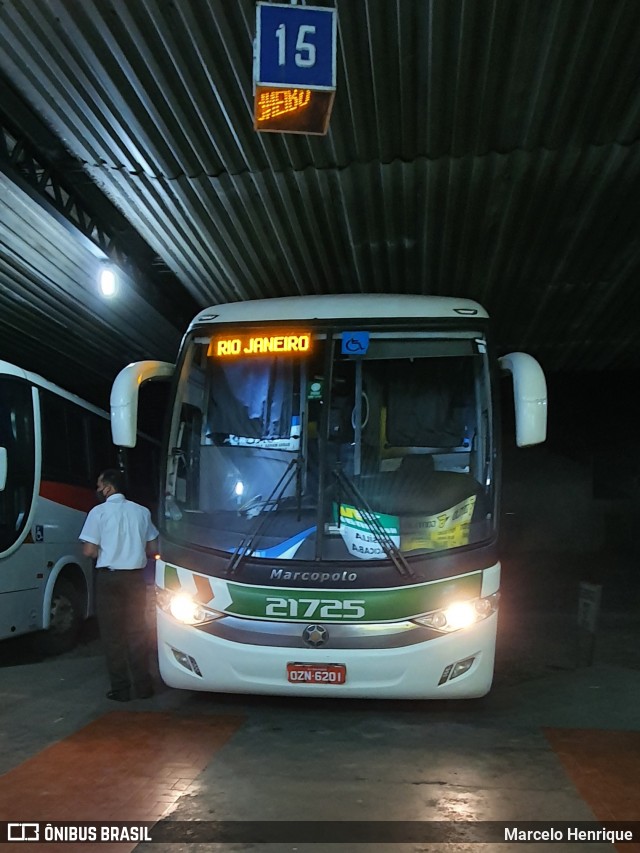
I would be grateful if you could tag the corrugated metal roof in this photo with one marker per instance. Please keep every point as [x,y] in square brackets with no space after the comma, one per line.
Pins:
[485,149]
[50,303]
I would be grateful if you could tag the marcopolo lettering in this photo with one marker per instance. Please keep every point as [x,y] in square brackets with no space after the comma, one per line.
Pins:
[317,577]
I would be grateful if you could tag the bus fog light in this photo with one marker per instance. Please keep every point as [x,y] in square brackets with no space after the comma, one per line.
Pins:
[461,667]
[187,661]
[182,659]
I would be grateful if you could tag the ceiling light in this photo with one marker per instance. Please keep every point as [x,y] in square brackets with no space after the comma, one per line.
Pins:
[108,282]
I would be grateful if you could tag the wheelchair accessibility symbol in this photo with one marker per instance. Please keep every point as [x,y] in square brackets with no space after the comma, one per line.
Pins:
[355,343]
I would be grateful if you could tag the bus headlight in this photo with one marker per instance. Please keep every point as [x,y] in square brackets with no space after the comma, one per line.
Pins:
[460,614]
[184,607]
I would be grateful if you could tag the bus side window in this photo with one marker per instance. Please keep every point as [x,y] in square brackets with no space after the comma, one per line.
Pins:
[101,453]
[66,452]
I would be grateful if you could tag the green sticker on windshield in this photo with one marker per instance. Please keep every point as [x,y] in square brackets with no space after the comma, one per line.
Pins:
[446,529]
[361,541]
[316,388]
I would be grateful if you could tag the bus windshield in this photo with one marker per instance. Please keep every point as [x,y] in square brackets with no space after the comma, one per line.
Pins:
[331,445]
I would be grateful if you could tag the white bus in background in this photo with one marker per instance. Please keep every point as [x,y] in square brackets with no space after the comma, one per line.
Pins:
[331,489]
[52,447]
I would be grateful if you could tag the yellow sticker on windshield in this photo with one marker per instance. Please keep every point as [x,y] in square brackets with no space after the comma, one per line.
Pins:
[448,529]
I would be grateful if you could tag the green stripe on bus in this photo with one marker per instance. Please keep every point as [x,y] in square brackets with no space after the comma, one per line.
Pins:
[366,605]
[171,578]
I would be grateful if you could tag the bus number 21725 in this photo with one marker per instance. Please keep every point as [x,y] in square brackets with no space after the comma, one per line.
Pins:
[314,608]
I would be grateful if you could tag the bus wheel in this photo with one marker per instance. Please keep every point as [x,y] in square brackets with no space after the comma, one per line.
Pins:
[66,617]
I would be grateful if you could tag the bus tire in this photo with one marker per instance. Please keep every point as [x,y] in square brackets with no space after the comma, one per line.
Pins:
[66,618]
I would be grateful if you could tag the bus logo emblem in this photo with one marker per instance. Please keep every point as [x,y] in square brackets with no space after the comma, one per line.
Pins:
[315,636]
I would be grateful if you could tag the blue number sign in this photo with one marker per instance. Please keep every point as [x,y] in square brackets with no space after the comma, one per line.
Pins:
[295,46]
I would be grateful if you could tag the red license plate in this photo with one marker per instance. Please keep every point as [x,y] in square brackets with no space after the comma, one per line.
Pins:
[316,673]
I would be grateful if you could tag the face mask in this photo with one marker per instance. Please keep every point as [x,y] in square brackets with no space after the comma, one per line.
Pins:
[101,495]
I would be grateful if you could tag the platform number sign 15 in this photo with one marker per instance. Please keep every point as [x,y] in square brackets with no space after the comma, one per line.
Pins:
[305,52]
[294,68]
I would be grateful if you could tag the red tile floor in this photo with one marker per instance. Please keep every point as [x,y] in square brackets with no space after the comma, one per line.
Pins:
[605,768]
[133,766]
[126,766]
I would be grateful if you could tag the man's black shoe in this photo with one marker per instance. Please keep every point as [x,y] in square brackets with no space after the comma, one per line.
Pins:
[119,695]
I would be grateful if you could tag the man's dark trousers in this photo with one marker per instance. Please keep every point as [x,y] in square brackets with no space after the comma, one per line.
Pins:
[121,596]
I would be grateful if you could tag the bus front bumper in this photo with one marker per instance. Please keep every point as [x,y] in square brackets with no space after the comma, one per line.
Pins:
[192,659]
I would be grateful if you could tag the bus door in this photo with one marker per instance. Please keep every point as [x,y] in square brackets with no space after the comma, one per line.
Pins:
[18,611]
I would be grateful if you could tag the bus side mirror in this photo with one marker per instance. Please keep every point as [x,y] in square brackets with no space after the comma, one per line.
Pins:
[3,468]
[124,397]
[529,396]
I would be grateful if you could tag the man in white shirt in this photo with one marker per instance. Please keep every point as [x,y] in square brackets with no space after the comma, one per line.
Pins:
[120,535]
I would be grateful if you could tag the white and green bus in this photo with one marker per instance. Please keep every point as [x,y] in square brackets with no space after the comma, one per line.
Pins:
[330,496]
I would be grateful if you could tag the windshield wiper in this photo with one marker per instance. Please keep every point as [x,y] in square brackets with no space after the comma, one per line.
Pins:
[245,547]
[371,519]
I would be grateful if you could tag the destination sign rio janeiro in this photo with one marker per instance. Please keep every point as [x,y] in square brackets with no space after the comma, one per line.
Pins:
[260,345]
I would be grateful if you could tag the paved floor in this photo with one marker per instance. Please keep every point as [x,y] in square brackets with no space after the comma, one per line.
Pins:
[554,741]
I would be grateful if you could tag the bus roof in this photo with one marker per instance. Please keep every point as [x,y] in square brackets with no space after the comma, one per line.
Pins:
[343,306]
[8,369]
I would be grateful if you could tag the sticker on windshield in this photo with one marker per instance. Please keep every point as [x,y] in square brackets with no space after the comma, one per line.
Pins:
[446,529]
[362,540]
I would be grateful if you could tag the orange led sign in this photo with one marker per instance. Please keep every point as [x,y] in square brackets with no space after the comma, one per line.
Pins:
[260,345]
[288,110]
[271,103]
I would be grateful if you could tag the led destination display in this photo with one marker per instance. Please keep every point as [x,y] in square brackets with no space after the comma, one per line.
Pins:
[260,344]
